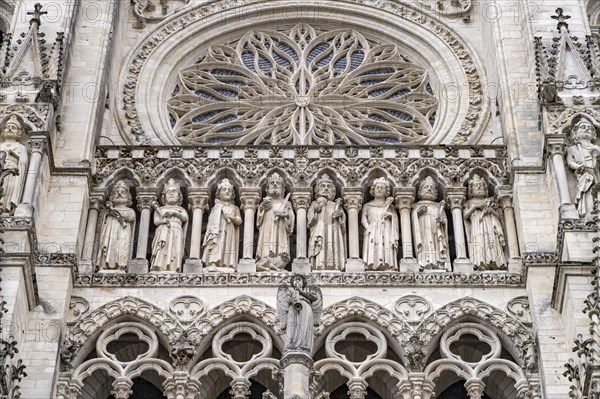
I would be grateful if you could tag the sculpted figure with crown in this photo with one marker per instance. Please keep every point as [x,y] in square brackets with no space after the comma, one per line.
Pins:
[116,232]
[484,230]
[221,241]
[171,225]
[275,221]
[16,159]
[382,230]
[327,224]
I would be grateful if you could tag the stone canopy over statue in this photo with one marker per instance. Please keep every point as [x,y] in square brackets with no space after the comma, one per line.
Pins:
[484,230]
[116,232]
[430,228]
[16,159]
[327,224]
[275,221]
[382,230]
[171,226]
[582,157]
[299,307]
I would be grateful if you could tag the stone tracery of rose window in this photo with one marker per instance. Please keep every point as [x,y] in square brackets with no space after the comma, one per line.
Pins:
[303,86]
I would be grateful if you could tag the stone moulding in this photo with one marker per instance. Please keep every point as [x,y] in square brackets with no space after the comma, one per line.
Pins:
[137,126]
[368,279]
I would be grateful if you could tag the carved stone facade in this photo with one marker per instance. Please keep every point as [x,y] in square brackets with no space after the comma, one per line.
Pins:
[358,199]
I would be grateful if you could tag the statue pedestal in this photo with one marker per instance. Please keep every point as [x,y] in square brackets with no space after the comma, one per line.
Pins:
[301,266]
[137,266]
[515,265]
[409,265]
[567,211]
[355,265]
[192,266]
[463,265]
[85,267]
[246,266]
[24,211]
[296,373]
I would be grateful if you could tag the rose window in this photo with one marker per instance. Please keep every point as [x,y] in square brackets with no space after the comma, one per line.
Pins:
[302,86]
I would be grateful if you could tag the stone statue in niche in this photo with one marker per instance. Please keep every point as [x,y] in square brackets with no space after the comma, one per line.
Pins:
[582,157]
[382,230]
[171,226]
[327,224]
[221,241]
[484,230]
[275,221]
[299,306]
[430,228]
[117,230]
[16,159]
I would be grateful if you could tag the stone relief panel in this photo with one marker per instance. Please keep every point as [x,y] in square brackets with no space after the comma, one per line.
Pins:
[186,309]
[413,308]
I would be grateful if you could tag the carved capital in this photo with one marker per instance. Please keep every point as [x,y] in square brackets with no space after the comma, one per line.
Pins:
[504,196]
[296,358]
[556,147]
[301,198]
[96,201]
[249,198]
[181,385]
[475,388]
[145,200]
[122,388]
[353,198]
[66,389]
[240,388]
[37,145]
[456,197]
[198,198]
[357,388]
[405,197]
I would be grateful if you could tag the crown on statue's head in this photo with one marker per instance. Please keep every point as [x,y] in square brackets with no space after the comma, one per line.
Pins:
[324,179]
[275,178]
[172,183]
[13,120]
[121,184]
[223,183]
[381,180]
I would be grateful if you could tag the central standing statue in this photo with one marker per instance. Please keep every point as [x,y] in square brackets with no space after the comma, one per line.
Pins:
[484,230]
[430,228]
[299,307]
[222,238]
[275,221]
[169,239]
[16,158]
[382,231]
[116,234]
[327,224]
[582,157]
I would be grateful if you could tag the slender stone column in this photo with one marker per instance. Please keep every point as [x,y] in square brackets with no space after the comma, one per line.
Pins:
[87,254]
[240,388]
[301,198]
[353,201]
[556,150]
[505,199]
[37,147]
[357,388]
[198,200]
[145,199]
[296,375]
[405,197]
[249,198]
[456,197]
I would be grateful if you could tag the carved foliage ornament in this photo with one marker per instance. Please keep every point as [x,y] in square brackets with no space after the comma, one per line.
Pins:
[303,86]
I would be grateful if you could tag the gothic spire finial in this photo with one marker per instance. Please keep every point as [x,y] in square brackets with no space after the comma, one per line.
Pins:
[561,18]
[36,13]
